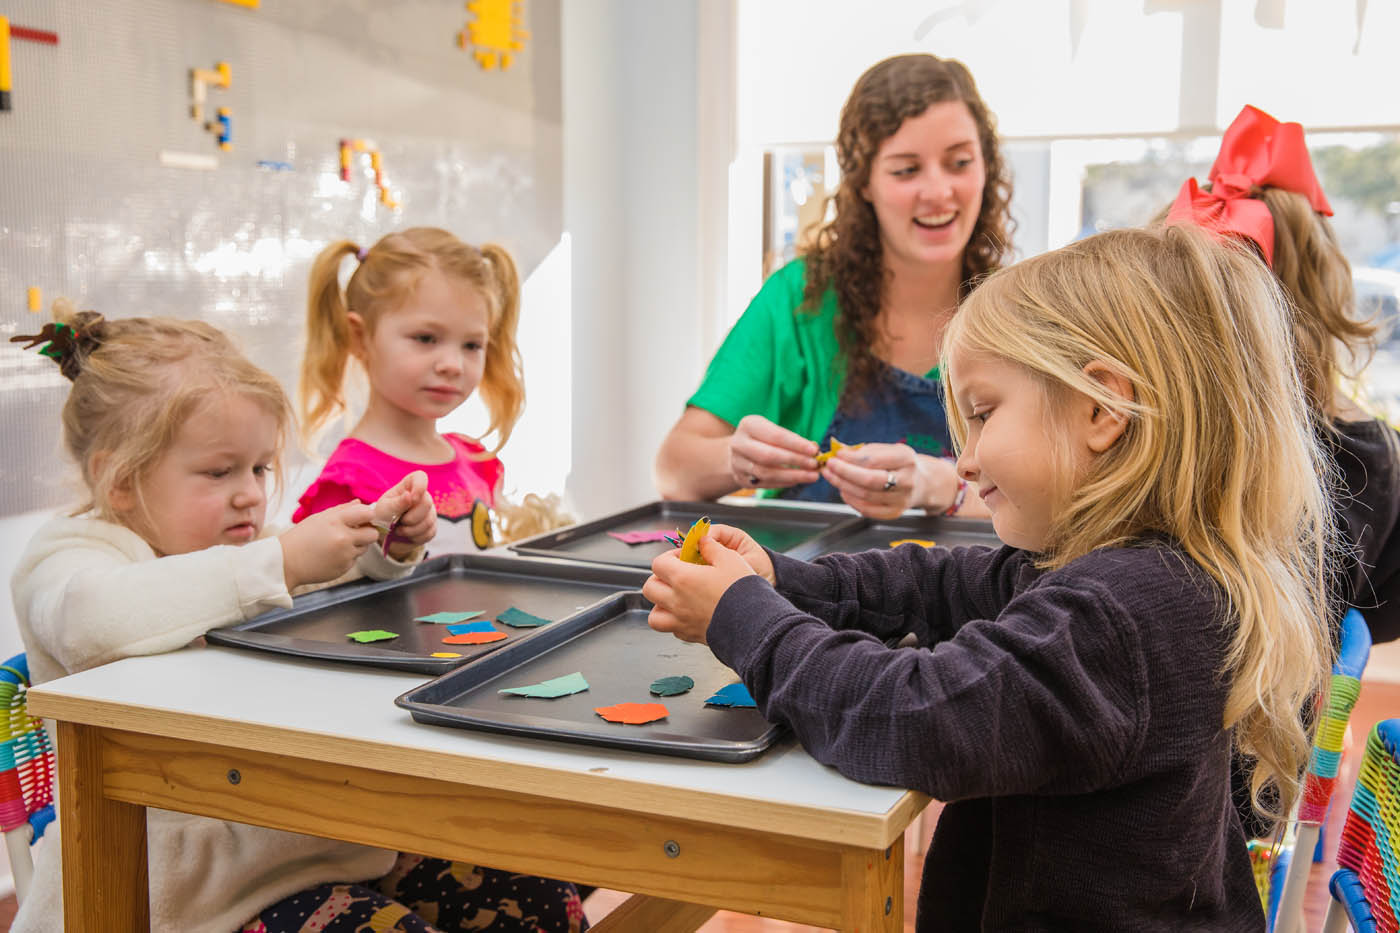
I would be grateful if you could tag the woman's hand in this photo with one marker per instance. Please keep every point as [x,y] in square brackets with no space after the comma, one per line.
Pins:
[323,546]
[685,595]
[886,480]
[763,454]
[408,512]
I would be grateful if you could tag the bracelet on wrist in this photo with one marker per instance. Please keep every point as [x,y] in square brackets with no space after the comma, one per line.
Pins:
[958,498]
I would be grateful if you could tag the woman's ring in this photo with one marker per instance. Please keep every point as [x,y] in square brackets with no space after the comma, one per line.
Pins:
[753,480]
[889,481]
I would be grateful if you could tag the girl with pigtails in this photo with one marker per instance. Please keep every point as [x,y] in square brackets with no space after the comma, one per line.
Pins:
[177,438]
[431,320]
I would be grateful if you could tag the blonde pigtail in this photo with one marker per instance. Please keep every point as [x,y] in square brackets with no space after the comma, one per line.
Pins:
[502,385]
[320,394]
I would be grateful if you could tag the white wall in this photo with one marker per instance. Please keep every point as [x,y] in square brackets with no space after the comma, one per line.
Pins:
[631,207]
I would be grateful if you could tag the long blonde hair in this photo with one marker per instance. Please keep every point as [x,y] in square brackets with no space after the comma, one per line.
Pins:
[387,275]
[1315,274]
[1332,343]
[1219,452]
[135,382]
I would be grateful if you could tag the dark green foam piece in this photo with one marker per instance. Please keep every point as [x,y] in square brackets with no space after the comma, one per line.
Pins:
[519,618]
[671,686]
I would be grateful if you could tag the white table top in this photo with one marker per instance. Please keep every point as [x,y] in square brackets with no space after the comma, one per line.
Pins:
[341,713]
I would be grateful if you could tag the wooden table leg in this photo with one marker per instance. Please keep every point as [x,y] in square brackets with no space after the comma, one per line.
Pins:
[873,889]
[104,843]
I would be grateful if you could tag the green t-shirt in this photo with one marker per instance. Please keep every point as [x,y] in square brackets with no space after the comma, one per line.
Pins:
[778,362]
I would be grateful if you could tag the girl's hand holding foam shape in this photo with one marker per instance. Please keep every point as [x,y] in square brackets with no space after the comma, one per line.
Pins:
[323,546]
[685,595]
[746,547]
[408,511]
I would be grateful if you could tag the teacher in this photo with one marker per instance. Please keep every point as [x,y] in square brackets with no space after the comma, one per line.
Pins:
[844,341]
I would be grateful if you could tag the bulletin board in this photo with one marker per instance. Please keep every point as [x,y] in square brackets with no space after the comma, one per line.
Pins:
[108,195]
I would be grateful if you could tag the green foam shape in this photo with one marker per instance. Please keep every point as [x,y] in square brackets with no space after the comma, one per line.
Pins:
[556,687]
[519,618]
[671,686]
[369,635]
[445,618]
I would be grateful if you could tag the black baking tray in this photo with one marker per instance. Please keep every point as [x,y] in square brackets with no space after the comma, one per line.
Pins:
[619,656]
[317,624]
[877,534]
[780,528]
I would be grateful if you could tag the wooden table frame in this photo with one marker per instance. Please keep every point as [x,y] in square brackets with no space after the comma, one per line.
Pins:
[685,852]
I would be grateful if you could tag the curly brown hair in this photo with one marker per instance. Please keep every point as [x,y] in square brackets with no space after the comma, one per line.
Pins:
[845,254]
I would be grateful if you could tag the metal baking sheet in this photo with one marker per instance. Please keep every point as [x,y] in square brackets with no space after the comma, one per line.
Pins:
[874,534]
[317,624]
[780,528]
[619,656]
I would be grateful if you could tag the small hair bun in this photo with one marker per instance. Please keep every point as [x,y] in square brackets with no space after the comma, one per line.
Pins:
[68,343]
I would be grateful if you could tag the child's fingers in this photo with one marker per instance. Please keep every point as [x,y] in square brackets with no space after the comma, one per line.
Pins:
[657,590]
[729,536]
[663,620]
[717,554]
[362,536]
[351,513]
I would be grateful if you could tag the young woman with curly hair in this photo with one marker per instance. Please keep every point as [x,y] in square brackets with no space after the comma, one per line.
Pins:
[843,342]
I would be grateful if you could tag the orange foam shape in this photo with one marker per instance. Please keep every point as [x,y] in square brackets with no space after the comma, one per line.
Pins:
[473,638]
[632,713]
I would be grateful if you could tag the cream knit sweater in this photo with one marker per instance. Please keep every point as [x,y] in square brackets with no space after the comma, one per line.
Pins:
[87,592]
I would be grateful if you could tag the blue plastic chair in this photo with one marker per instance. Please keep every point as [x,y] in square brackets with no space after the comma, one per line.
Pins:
[1295,862]
[1366,888]
[26,773]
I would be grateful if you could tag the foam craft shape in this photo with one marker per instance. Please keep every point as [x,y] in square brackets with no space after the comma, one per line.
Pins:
[634,714]
[671,686]
[519,618]
[369,635]
[640,537]
[836,445]
[442,618]
[690,547]
[921,542]
[554,687]
[473,638]
[446,654]
[482,535]
[735,695]
[481,625]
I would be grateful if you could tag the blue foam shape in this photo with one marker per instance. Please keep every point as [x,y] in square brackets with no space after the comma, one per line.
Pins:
[736,695]
[462,627]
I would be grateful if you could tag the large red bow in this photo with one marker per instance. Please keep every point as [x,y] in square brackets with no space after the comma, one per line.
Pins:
[1256,150]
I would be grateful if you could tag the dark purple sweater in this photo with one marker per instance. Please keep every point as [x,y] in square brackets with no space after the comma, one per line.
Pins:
[1070,720]
[1370,512]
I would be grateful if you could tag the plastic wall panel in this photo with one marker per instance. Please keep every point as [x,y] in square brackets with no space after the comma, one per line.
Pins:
[87,211]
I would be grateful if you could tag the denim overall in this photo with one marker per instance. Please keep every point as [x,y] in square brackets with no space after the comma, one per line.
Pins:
[903,409]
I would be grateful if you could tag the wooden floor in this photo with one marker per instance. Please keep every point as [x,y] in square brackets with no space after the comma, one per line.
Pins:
[1378,700]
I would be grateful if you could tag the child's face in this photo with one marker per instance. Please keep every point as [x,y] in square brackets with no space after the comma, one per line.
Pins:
[427,357]
[210,487]
[926,184]
[1010,456]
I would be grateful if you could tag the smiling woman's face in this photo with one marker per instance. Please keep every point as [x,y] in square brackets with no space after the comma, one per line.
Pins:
[926,184]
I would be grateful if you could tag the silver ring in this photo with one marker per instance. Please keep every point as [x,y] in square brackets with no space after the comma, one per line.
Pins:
[753,480]
[889,481]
